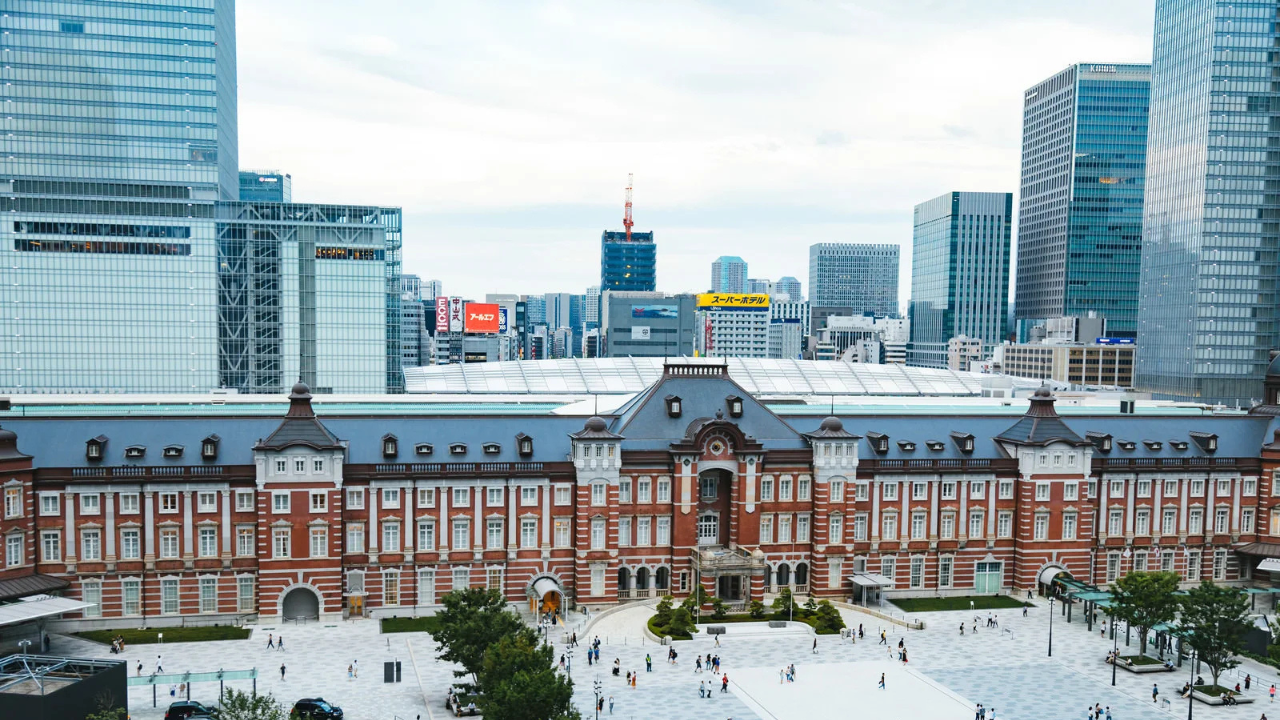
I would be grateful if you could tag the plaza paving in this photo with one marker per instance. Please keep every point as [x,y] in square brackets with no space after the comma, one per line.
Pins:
[1007,669]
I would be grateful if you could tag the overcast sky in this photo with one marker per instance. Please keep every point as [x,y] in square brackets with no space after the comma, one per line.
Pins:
[506,130]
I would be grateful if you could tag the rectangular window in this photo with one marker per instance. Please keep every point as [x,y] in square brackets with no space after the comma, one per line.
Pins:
[564,495]
[598,494]
[245,540]
[168,543]
[244,500]
[90,503]
[1004,525]
[597,534]
[169,596]
[493,534]
[802,528]
[664,490]
[1170,488]
[1140,561]
[597,580]
[889,531]
[282,466]
[207,502]
[528,533]
[861,491]
[391,588]
[493,579]
[168,502]
[624,532]
[1166,561]
[461,578]
[644,490]
[917,526]
[889,491]
[280,503]
[280,542]
[131,591]
[1195,521]
[1042,491]
[355,499]
[1142,522]
[976,519]
[391,498]
[493,497]
[784,528]
[319,542]
[766,488]
[835,528]
[355,537]
[802,489]
[889,568]
[299,466]
[1071,491]
[977,490]
[426,536]
[1006,489]
[1219,565]
[949,490]
[319,501]
[317,465]
[208,594]
[624,490]
[563,531]
[1169,521]
[944,570]
[208,542]
[128,503]
[90,545]
[426,587]
[1220,518]
[1117,489]
[529,496]
[1115,522]
[643,526]
[91,594]
[859,527]
[1144,488]
[1249,487]
[1041,526]
[130,545]
[1246,520]
[837,491]
[919,491]
[1197,488]
[1224,487]
[766,529]
[947,528]
[1193,565]
[1113,566]
[426,497]
[244,594]
[784,488]
[917,572]
[390,537]
[1092,489]
[1068,526]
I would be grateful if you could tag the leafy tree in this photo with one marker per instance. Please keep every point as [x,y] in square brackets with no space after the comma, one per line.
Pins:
[784,604]
[520,682]
[664,609]
[827,618]
[757,609]
[472,621]
[719,608]
[681,622]
[810,606]
[1144,600]
[243,706]
[108,709]
[1217,617]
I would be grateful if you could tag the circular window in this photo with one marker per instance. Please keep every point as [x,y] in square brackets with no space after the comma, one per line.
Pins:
[716,447]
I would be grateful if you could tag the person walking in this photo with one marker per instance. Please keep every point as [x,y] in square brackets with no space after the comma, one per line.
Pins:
[610,704]
[962,629]
[702,689]
[815,646]
[1024,609]
[881,687]
[717,641]
[782,676]
[282,671]
[280,643]
[634,676]
[271,642]
[159,666]
[724,683]
[648,663]
[139,668]
[1248,679]
[1108,712]
[1155,692]
[697,667]
[349,672]
[1273,692]
[884,640]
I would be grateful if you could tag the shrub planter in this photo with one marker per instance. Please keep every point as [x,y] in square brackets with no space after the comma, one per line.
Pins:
[1141,664]
[1212,695]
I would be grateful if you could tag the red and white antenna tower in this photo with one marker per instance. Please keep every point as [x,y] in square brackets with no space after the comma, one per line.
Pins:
[627,222]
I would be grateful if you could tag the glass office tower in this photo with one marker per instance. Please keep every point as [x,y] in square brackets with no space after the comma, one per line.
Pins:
[266,186]
[729,275]
[1207,295]
[1084,138]
[863,277]
[628,265]
[959,272]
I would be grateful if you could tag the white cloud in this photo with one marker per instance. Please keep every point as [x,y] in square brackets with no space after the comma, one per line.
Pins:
[506,130]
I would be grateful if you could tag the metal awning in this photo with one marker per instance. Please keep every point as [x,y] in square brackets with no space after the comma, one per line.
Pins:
[1048,574]
[1093,596]
[544,585]
[1270,550]
[38,607]
[871,580]
[1269,565]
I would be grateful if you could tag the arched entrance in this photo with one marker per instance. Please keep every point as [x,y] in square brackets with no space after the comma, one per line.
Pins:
[300,602]
[715,486]
[802,575]
[784,575]
[624,583]
[546,596]
[642,582]
[1048,575]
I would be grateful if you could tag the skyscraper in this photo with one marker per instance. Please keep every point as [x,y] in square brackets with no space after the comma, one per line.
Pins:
[763,286]
[729,274]
[1207,298]
[266,186]
[1084,140]
[789,286]
[860,276]
[959,272]
[628,265]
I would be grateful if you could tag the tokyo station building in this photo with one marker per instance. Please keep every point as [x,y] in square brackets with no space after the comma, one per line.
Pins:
[156,514]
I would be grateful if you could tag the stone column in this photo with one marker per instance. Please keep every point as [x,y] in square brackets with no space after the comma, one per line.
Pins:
[875,511]
[545,520]
[70,555]
[149,528]
[962,522]
[188,537]
[371,535]
[445,535]
[109,542]
[410,539]
[228,532]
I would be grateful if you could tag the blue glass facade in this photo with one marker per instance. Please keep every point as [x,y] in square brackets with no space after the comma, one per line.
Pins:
[729,275]
[628,265]
[1080,211]
[266,186]
[863,277]
[1207,296]
[959,272]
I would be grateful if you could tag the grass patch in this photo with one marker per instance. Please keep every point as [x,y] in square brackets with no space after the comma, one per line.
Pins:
[735,618]
[660,631]
[1140,660]
[1213,690]
[428,624]
[980,602]
[149,636]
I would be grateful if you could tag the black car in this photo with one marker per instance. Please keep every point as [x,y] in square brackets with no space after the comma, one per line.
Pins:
[189,710]
[315,709]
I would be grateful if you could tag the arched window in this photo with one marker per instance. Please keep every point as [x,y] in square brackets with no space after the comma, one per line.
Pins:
[642,579]
[802,574]
[768,578]
[624,579]
[784,575]
[662,578]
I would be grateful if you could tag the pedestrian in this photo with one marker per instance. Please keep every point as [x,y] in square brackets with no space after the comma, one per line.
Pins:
[992,716]
[282,671]
[610,704]
[1273,692]
[1024,609]
[648,663]
[702,689]
[995,622]
[271,643]
[1248,679]
[159,666]
[724,683]
[1108,712]
[815,646]
[1155,692]
[634,676]
[280,643]
[349,672]
[782,674]
[881,681]
[884,640]
[717,641]
[961,629]
[599,704]
[860,633]
[574,640]
[793,672]
[355,666]
[698,664]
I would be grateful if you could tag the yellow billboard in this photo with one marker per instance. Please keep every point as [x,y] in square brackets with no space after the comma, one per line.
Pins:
[757,301]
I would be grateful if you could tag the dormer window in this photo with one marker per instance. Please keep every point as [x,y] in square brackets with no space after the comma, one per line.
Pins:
[1178,444]
[524,445]
[1153,444]
[173,451]
[906,446]
[458,449]
[935,445]
[735,405]
[423,449]
[209,447]
[879,442]
[673,406]
[491,448]
[135,451]
[95,448]
[1126,444]
[1208,442]
[1101,441]
[964,441]
[390,446]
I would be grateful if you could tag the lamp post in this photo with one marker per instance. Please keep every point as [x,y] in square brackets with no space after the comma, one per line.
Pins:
[1191,701]
[25,644]
[595,685]
[1050,626]
[1115,652]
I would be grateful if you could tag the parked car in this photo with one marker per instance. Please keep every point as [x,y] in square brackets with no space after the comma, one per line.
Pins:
[314,709]
[190,710]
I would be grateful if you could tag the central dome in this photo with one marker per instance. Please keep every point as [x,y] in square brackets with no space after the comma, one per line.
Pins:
[832,423]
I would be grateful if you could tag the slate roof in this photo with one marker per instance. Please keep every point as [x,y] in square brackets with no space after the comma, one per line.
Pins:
[1041,425]
[34,584]
[300,426]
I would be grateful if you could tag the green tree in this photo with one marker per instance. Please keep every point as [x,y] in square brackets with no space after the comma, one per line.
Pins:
[1217,618]
[719,608]
[520,682]
[1144,600]
[471,621]
[681,622]
[108,708]
[810,607]
[664,610]
[827,619]
[757,609]
[784,605]
[243,706]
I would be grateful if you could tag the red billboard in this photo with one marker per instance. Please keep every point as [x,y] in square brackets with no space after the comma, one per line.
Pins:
[482,318]
[442,314]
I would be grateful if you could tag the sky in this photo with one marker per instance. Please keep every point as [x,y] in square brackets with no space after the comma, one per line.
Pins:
[506,130]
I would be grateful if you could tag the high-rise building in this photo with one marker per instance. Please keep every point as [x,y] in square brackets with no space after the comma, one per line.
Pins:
[1207,299]
[432,289]
[790,287]
[647,324]
[266,186]
[1084,141]
[628,264]
[411,285]
[729,275]
[536,310]
[860,276]
[959,272]
[413,327]
[762,286]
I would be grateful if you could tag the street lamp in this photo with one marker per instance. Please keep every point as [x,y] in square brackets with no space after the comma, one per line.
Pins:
[1050,626]
[569,653]
[1190,696]
[1115,652]
[595,685]
[25,644]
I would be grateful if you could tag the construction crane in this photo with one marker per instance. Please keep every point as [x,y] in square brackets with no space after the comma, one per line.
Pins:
[626,218]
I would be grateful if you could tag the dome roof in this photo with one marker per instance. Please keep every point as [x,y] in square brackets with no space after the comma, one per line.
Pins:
[300,388]
[596,423]
[1043,392]
[832,423]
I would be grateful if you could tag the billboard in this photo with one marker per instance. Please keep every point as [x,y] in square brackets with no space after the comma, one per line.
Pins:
[502,320]
[640,332]
[1114,341]
[655,311]
[752,301]
[481,318]
[442,314]
[455,314]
